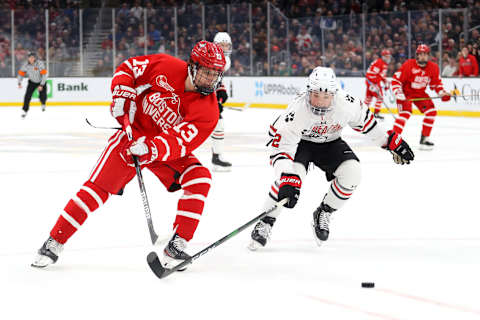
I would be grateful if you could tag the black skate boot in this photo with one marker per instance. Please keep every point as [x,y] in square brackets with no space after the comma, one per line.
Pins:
[321,222]
[43,108]
[174,253]
[378,116]
[48,253]
[220,165]
[24,114]
[261,233]
[425,143]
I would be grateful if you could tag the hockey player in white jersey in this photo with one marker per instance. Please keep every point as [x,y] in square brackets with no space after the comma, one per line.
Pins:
[309,131]
[219,164]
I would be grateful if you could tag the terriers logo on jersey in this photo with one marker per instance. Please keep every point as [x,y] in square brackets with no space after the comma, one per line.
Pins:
[163,108]
[162,82]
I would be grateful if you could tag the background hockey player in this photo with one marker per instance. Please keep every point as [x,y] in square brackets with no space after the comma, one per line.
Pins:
[35,71]
[310,132]
[218,135]
[172,111]
[375,77]
[410,82]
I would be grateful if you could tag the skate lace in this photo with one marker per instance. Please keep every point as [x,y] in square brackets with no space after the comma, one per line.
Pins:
[324,220]
[179,244]
[264,229]
[54,246]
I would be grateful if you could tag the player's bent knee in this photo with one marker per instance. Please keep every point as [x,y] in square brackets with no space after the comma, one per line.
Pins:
[349,173]
[196,180]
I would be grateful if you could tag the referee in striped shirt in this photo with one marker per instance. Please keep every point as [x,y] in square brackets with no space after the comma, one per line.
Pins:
[36,73]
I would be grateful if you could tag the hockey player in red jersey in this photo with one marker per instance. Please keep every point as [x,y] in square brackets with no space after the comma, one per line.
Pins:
[410,82]
[172,111]
[376,75]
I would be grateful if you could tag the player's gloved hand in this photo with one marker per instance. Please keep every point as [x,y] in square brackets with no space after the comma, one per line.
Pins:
[222,95]
[445,96]
[144,149]
[123,97]
[290,185]
[402,154]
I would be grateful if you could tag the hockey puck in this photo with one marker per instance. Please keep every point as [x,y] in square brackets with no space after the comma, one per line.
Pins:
[368,284]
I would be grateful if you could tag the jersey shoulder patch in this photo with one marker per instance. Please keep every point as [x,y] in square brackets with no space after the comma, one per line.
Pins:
[290,116]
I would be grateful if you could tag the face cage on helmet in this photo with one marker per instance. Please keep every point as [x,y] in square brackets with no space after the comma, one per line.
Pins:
[225,52]
[423,64]
[318,111]
[193,71]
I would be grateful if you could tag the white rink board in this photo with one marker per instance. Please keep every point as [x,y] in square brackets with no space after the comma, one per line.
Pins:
[280,90]
[252,90]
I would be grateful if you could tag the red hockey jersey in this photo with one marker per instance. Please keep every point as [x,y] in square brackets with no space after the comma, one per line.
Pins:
[179,120]
[413,79]
[377,72]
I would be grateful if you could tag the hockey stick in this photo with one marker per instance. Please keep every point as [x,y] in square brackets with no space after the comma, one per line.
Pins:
[143,192]
[162,272]
[438,97]
[233,108]
[389,110]
[97,127]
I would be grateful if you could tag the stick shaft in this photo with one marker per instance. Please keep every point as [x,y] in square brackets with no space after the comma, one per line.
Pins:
[222,240]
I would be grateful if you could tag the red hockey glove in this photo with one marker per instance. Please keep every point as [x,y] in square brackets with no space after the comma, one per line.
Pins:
[144,149]
[290,185]
[123,97]
[402,154]
[446,98]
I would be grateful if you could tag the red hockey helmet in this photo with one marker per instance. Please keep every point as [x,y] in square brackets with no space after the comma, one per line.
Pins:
[422,48]
[385,52]
[207,63]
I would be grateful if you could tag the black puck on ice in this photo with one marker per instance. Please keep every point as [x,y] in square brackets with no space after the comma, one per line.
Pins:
[368,284]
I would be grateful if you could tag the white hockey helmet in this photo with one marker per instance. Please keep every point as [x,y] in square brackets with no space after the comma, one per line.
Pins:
[223,39]
[321,80]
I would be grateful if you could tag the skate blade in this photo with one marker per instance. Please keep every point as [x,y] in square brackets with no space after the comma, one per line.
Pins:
[426,148]
[217,168]
[318,241]
[254,246]
[170,263]
[42,262]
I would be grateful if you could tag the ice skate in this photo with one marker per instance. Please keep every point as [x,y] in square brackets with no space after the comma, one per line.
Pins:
[48,253]
[43,107]
[425,143]
[24,114]
[321,222]
[378,116]
[219,164]
[261,233]
[174,253]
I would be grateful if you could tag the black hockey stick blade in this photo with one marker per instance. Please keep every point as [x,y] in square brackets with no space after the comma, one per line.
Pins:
[155,264]
[99,127]
[161,272]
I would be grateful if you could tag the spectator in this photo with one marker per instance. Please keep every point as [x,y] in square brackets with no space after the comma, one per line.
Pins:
[450,69]
[467,64]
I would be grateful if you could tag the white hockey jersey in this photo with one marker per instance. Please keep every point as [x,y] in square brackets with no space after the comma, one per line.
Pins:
[298,122]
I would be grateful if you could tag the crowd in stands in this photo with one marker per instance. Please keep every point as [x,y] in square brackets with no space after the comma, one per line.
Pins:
[323,32]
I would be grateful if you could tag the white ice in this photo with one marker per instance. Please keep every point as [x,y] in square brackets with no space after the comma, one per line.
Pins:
[413,230]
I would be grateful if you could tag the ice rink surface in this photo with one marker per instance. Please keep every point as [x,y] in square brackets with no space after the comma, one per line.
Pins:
[413,230]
